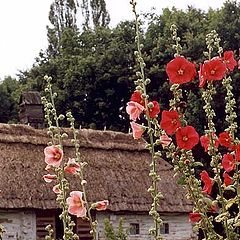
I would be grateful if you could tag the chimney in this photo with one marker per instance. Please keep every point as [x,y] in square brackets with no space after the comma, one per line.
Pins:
[31,109]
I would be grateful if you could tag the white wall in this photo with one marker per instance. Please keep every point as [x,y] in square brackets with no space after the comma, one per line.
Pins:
[19,225]
[179,226]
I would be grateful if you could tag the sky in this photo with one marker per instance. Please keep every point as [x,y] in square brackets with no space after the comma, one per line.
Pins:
[23,26]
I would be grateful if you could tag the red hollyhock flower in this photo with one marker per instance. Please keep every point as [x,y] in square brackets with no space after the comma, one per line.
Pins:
[237,152]
[228,162]
[137,97]
[227,179]
[229,60]
[214,69]
[187,137]
[205,142]
[194,217]
[154,110]
[208,183]
[180,70]
[170,121]
[225,139]
[202,76]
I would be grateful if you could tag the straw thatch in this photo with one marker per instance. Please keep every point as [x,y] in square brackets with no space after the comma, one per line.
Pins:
[31,97]
[117,170]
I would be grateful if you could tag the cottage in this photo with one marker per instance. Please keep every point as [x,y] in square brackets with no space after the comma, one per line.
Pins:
[117,170]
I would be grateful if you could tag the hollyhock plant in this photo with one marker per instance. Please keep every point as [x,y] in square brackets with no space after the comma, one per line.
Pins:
[134,110]
[225,140]
[187,137]
[76,204]
[205,141]
[229,60]
[53,156]
[101,205]
[137,130]
[228,162]
[214,69]
[227,179]
[208,183]
[137,97]
[49,177]
[153,109]
[72,166]
[170,121]
[180,70]
[194,217]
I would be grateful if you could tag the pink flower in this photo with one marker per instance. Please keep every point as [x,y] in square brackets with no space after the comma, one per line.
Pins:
[137,129]
[134,110]
[53,156]
[56,189]
[101,205]
[165,140]
[49,177]
[76,204]
[72,166]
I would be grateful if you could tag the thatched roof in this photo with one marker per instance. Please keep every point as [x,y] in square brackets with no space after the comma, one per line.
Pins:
[31,97]
[117,170]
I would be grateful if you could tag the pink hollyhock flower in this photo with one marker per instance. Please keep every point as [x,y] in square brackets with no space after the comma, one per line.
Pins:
[239,64]
[137,97]
[229,60]
[53,156]
[101,205]
[72,166]
[208,183]
[76,204]
[49,177]
[180,70]
[56,189]
[187,137]
[227,179]
[194,217]
[214,69]
[137,130]
[228,162]
[170,121]
[134,110]
[225,140]
[154,110]
[165,140]
[202,76]
[205,142]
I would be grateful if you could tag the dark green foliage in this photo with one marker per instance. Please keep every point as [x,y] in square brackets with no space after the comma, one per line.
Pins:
[111,233]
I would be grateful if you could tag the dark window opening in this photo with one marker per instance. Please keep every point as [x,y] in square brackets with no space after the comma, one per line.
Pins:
[134,229]
[164,229]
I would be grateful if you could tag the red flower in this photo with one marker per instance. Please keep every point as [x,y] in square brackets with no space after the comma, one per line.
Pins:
[205,142]
[137,97]
[229,60]
[214,69]
[228,162]
[225,139]
[194,217]
[101,205]
[180,70]
[208,183]
[187,137]
[237,152]
[227,179]
[154,110]
[202,76]
[170,121]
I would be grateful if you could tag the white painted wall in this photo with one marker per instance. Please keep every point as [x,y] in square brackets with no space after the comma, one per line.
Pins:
[19,225]
[179,226]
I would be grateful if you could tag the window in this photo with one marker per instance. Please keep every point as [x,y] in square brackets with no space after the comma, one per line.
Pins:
[134,229]
[164,229]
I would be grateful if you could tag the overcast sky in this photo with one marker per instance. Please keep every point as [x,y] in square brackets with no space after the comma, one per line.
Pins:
[23,26]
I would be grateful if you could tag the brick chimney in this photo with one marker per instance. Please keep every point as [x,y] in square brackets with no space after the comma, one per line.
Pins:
[31,109]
